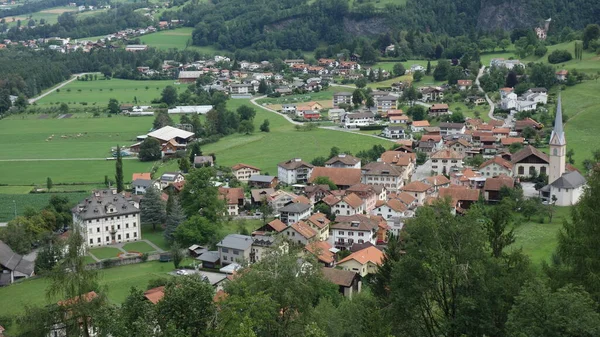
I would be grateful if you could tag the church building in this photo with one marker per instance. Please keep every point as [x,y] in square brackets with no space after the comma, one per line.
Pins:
[564,188]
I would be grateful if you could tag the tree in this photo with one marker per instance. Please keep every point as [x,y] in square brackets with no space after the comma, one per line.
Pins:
[64,108]
[113,106]
[398,69]
[200,196]
[541,312]
[197,230]
[440,73]
[190,295]
[421,157]
[382,280]
[357,97]
[318,161]
[361,83]
[174,218]
[119,181]
[246,113]
[559,56]
[528,133]
[169,95]
[570,154]
[136,316]
[417,76]
[48,256]
[530,207]
[106,71]
[325,181]
[417,112]
[428,69]
[49,183]
[578,50]
[246,127]
[263,87]
[511,79]
[264,127]
[152,208]
[515,147]
[540,50]
[184,164]
[410,95]
[590,33]
[162,119]
[194,150]
[150,150]
[503,44]
[176,254]
[542,75]
[369,102]
[265,209]
[499,220]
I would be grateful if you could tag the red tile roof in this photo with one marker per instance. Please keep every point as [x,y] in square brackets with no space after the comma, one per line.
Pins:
[155,294]
[370,254]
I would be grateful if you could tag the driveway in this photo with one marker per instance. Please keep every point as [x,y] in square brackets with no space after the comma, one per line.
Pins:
[73,78]
[487,98]
[253,101]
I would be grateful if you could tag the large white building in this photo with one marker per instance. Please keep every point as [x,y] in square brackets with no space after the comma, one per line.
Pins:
[106,218]
[294,171]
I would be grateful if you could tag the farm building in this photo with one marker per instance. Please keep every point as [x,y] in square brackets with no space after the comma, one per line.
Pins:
[191,109]
[189,76]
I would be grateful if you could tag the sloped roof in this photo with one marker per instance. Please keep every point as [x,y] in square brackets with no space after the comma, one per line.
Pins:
[168,132]
[277,225]
[259,193]
[511,140]
[416,186]
[232,194]
[446,154]
[321,249]
[398,158]
[353,200]
[362,222]
[145,176]
[499,161]
[406,198]
[339,176]
[304,229]
[420,123]
[293,164]
[396,205]
[13,261]
[438,180]
[236,241]
[339,277]
[296,207]
[459,194]
[343,158]
[318,219]
[260,178]
[370,254]
[241,166]
[528,151]
[382,168]
[155,294]
[569,180]
[331,200]
[495,184]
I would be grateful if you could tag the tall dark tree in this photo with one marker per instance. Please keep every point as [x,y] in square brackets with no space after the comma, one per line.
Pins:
[200,196]
[169,95]
[119,172]
[152,208]
[150,150]
[174,219]
[511,80]
[246,113]
[113,106]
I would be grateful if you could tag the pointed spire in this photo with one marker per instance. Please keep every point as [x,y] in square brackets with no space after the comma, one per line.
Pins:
[558,135]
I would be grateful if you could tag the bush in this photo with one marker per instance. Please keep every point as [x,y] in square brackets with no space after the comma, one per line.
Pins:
[540,51]
[559,56]
[371,127]
[144,257]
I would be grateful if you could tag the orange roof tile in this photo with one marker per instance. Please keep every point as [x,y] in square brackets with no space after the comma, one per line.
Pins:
[370,254]
[498,161]
[319,220]
[416,186]
[321,249]
[277,225]
[144,176]
[339,176]
[155,294]
[241,166]
[420,123]
[304,229]
[353,200]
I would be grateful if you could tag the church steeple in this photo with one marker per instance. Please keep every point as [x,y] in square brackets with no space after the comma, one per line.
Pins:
[558,135]
[558,146]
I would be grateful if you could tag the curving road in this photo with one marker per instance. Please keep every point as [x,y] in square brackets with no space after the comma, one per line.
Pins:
[253,101]
[73,78]
[487,98]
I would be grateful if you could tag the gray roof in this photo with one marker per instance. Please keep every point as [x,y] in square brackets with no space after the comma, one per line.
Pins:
[13,261]
[395,128]
[203,159]
[296,207]
[294,164]
[558,135]
[569,180]
[236,241]
[210,256]
[100,204]
[360,115]
[387,98]
[342,93]
[169,176]
[452,125]
[261,178]
[142,182]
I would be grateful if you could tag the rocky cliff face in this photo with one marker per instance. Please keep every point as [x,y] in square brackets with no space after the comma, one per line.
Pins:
[366,27]
[507,15]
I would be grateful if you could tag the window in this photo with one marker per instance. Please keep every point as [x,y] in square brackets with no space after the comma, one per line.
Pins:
[224,258]
[341,233]
[118,226]
[350,233]
[126,225]
[224,250]
[97,229]
[531,171]
[97,220]
[236,252]
[127,236]
[118,217]
[99,240]
[127,216]
[91,241]
[106,228]
[135,234]
[543,169]
[119,237]
[361,234]
[134,224]
[521,170]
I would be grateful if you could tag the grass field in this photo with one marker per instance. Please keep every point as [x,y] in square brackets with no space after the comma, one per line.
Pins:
[539,240]
[105,252]
[15,189]
[324,97]
[36,201]
[140,246]
[155,236]
[168,39]
[99,92]
[118,281]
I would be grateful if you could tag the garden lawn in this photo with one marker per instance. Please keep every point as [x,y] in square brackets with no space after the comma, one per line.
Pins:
[539,240]
[103,253]
[470,111]
[98,92]
[117,280]
[235,226]
[140,247]
[155,236]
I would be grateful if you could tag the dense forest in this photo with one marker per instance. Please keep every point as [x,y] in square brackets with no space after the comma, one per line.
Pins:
[68,25]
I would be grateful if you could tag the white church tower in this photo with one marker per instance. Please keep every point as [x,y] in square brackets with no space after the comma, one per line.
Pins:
[558,146]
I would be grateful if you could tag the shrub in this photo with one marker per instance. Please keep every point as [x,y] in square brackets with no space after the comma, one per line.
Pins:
[559,56]
[540,51]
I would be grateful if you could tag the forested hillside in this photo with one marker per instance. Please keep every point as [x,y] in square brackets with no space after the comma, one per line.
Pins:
[232,24]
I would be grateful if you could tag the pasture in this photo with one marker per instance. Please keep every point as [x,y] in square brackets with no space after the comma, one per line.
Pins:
[169,39]
[49,15]
[97,93]
[323,97]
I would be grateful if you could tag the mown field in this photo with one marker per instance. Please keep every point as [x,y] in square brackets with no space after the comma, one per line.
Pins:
[22,201]
[97,93]
[178,38]
[49,15]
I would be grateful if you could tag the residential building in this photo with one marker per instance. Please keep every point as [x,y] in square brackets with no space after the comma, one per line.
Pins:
[447,129]
[418,190]
[358,119]
[235,248]
[273,227]
[561,75]
[294,171]
[139,186]
[300,233]
[386,103]
[348,230]
[288,108]
[418,126]
[464,84]
[203,161]
[341,177]
[348,281]
[320,224]
[234,198]
[263,181]
[13,266]
[343,161]
[492,187]
[106,217]
[368,193]
[529,162]
[460,146]
[342,98]
[437,110]
[364,262]
[395,132]
[348,205]
[241,88]
[294,212]
[380,173]
[335,115]
[279,199]
[263,245]
[461,198]
[243,172]
[323,251]
[170,178]
[495,167]
[188,76]
[446,161]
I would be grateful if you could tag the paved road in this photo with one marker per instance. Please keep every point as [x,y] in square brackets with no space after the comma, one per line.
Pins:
[253,101]
[487,98]
[73,78]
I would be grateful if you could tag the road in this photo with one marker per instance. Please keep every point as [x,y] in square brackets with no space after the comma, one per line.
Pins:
[487,98]
[253,101]
[73,78]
